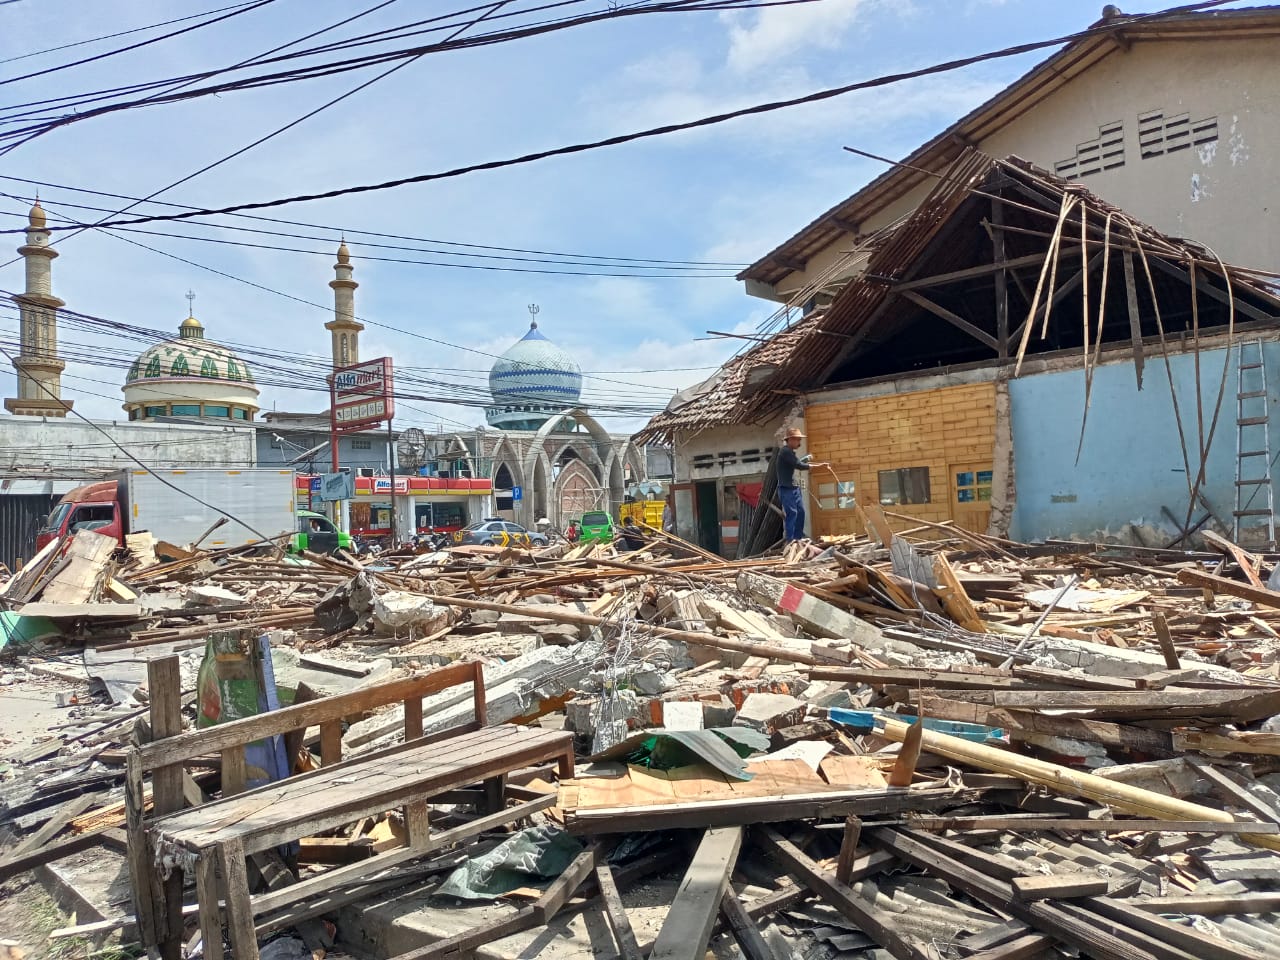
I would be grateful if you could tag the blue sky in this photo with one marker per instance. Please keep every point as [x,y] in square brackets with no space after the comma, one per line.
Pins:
[727,193]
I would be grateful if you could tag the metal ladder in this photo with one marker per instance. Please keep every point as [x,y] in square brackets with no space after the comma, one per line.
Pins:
[1253,440]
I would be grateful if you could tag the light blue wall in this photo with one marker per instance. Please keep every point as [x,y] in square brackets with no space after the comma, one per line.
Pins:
[1131,462]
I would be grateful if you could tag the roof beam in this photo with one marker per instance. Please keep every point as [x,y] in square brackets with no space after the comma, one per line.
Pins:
[790,263]
[1203,284]
[852,227]
[954,319]
[1062,293]
[983,270]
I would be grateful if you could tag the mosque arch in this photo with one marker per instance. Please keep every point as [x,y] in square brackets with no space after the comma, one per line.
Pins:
[613,484]
[578,490]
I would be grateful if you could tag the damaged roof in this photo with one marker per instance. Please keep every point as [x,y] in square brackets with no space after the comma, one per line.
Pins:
[948,238]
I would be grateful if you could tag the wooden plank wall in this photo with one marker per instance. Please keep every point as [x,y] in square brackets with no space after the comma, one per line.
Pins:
[933,428]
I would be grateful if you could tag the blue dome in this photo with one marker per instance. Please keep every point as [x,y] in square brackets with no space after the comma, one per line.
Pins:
[532,382]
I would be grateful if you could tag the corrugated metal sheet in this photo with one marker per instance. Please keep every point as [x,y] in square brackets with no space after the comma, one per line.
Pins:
[20,517]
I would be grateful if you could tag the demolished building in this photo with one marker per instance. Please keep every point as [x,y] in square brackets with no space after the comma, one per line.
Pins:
[1016,355]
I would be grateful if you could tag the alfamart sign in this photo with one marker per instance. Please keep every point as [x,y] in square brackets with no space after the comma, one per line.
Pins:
[361,395]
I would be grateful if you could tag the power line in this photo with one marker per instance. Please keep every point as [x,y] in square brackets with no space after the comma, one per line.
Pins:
[884,80]
[235,12]
[121,33]
[356,232]
[45,125]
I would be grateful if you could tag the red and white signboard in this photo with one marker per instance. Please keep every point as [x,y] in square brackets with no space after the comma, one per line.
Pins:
[361,395]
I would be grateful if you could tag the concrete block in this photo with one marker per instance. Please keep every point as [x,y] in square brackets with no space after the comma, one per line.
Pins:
[682,715]
[396,613]
[767,712]
[719,713]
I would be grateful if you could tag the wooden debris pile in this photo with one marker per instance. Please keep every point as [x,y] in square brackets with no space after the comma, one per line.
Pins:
[933,743]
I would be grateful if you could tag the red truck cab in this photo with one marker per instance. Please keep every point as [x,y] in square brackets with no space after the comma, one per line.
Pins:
[94,506]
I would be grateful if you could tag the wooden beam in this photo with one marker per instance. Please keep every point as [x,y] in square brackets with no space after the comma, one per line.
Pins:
[790,263]
[188,746]
[1060,779]
[1065,289]
[1002,279]
[1034,823]
[1232,588]
[1204,286]
[982,270]
[616,912]
[848,849]
[882,927]
[692,916]
[1059,887]
[744,929]
[1165,639]
[954,319]
[1091,939]
[1135,315]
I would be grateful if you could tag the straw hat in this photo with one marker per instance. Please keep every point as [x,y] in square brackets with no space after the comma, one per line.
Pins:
[795,432]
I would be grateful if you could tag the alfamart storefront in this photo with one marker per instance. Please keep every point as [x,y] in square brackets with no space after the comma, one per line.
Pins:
[446,504]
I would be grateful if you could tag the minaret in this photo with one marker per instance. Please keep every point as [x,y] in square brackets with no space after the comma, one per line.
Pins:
[345,329]
[38,367]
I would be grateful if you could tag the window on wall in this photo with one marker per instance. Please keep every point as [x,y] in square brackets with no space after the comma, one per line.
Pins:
[186,409]
[904,485]
[239,413]
[157,411]
[836,496]
[214,411]
[973,486]
[359,444]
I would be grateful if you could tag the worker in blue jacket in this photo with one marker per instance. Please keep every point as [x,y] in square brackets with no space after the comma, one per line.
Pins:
[788,491]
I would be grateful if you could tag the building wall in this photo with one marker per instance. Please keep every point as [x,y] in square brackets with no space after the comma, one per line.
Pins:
[1213,192]
[948,430]
[68,447]
[354,450]
[1131,463]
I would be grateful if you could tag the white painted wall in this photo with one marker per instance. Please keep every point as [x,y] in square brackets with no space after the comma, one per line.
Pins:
[1221,194]
[39,444]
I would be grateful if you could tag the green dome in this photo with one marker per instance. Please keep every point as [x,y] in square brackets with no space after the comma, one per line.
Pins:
[190,356]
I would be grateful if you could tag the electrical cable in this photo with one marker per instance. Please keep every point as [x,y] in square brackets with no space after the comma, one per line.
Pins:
[349,231]
[235,12]
[123,33]
[755,110]
[43,126]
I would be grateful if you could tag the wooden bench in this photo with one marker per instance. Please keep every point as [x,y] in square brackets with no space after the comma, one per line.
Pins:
[214,839]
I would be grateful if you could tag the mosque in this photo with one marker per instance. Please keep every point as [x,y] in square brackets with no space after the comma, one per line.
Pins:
[541,451]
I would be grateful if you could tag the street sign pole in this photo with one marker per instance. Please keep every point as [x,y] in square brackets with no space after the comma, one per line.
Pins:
[391,459]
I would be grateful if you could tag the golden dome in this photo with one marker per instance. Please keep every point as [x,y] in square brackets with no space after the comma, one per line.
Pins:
[36,217]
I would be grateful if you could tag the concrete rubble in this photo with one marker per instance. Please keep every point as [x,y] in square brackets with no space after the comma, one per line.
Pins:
[946,746]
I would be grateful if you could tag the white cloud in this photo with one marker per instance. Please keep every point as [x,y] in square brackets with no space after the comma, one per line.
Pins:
[775,33]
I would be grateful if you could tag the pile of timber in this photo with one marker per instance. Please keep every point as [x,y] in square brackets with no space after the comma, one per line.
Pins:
[963,746]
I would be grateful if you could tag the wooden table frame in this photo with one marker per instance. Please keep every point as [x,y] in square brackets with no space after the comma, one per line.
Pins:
[158,899]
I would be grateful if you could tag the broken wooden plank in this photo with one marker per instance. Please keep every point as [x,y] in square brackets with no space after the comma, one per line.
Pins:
[954,598]
[881,926]
[1239,704]
[692,916]
[1232,588]
[86,572]
[616,913]
[1120,796]
[1035,823]
[743,928]
[1059,886]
